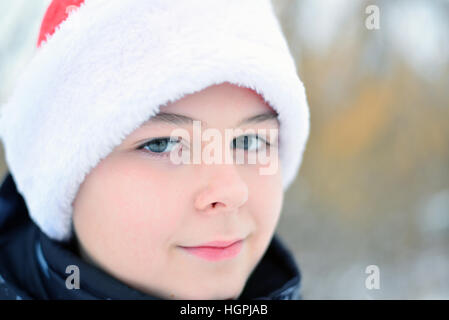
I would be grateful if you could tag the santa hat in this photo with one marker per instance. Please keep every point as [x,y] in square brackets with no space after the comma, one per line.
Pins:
[103,67]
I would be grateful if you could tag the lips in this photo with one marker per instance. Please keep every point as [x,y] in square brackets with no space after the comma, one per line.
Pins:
[218,244]
[216,250]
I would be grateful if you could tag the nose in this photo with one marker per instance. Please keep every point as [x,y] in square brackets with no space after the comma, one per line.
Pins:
[224,192]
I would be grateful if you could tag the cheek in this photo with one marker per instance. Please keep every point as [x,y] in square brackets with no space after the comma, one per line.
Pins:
[126,206]
[266,199]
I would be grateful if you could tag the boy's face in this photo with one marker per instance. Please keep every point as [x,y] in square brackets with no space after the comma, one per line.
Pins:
[136,211]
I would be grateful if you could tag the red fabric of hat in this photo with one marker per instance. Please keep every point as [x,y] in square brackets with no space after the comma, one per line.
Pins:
[56,13]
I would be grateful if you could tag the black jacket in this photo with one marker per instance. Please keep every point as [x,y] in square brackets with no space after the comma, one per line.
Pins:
[33,266]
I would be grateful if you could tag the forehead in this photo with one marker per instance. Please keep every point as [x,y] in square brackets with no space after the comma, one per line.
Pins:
[220,104]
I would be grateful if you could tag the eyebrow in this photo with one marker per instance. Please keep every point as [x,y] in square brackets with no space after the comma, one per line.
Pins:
[179,119]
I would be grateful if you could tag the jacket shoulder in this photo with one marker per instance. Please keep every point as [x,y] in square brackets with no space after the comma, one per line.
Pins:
[8,291]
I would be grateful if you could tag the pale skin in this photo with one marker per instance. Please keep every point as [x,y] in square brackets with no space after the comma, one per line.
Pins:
[134,209]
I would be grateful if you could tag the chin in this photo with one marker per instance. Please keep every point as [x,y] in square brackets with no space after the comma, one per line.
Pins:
[231,293]
[217,294]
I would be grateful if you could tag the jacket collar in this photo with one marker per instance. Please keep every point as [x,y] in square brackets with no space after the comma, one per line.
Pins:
[276,277]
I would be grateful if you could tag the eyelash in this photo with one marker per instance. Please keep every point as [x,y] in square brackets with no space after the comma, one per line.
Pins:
[158,154]
[166,154]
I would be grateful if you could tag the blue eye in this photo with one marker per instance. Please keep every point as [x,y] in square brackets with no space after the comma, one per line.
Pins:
[249,142]
[160,147]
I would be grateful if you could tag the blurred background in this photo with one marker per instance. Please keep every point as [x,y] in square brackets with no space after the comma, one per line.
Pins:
[373,188]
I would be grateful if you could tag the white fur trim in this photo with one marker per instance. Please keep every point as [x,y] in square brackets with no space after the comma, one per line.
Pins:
[110,66]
